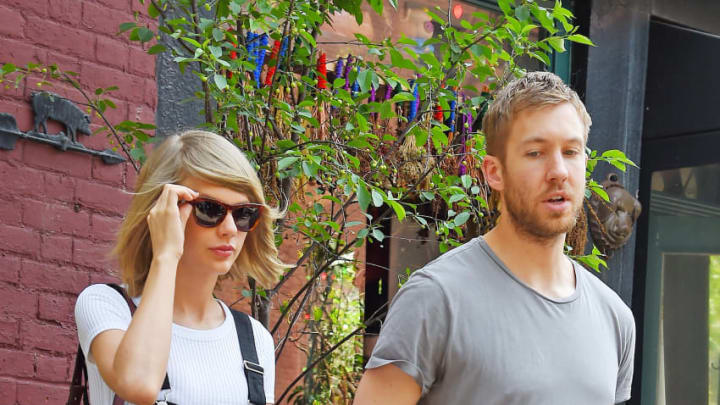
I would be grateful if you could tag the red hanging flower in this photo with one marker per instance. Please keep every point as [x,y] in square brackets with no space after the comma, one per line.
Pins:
[322,71]
[273,56]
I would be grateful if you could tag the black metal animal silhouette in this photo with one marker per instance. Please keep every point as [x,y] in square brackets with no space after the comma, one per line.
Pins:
[49,105]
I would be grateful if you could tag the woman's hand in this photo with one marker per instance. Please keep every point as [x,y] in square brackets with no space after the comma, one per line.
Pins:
[167,221]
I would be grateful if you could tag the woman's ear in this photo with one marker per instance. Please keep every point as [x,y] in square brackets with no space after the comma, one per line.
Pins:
[493,171]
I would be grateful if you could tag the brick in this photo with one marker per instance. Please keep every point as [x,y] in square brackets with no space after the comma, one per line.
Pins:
[50,277]
[33,393]
[54,338]
[113,52]
[11,23]
[115,115]
[123,5]
[9,331]
[130,176]
[56,308]
[9,210]
[51,369]
[8,388]
[130,87]
[47,157]
[104,228]
[9,268]
[100,19]
[59,187]
[14,363]
[108,174]
[99,141]
[19,53]
[14,301]
[20,240]
[102,197]
[67,11]
[28,8]
[151,94]
[20,180]
[141,113]
[56,248]
[104,278]
[64,63]
[91,254]
[142,63]
[56,218]
[60,37]
[23,118]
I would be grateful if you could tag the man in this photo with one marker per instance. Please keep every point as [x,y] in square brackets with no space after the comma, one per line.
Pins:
[508,318]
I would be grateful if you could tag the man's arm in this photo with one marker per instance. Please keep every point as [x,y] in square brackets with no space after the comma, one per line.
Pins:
[387,384]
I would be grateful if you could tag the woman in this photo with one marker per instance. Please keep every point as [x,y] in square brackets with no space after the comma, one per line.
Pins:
[170,264]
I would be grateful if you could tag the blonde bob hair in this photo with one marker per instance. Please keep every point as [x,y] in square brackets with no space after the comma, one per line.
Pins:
[534,90]
[212,158]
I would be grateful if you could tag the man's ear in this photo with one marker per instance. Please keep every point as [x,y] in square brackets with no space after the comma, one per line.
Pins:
[493,171]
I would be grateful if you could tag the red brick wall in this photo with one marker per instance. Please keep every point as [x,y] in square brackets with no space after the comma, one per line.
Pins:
[58,210]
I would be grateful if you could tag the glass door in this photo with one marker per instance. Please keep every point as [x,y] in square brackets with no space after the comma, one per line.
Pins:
[681,339]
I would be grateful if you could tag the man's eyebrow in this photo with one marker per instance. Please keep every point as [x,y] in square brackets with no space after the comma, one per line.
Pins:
[540,139]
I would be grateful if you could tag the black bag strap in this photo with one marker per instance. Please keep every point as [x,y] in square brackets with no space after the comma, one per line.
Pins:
[78,386]
[254,373]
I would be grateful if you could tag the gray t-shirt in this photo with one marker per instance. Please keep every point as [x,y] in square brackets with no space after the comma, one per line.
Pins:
[470,332]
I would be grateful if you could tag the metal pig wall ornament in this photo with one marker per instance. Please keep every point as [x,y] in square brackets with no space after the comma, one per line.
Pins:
[51,106]
[611,223]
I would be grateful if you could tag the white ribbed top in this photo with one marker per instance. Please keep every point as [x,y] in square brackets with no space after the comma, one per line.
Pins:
[205,366]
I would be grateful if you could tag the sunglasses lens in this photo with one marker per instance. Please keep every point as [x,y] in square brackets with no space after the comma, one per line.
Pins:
[245,217]
[209,213]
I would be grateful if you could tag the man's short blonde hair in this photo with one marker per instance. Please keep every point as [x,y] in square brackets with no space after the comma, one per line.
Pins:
[212,158]
[534,90]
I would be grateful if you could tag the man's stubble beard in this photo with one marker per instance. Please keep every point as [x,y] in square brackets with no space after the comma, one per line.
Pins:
[527,221]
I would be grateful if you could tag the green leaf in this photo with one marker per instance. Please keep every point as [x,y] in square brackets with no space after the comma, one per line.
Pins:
[377,198]
[308,38]
[155,49]
[364,79]
[557,43]
[144,34]
[522,13]
[126,26]
[220,81]
[466,180]
[378,234]
[428,195]
[505,6]
[152,10]
[455,198]
[363,233]
[363,196]
[216,51]
[217,34]
[286,162]
[581,39]
[461,218]
[398,208]
[393,3]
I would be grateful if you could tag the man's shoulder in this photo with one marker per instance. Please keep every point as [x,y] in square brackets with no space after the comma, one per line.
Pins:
[457,259]
[606,296]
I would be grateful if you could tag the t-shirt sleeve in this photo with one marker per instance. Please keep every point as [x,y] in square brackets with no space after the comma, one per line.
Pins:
[415,331]
[99,308]
[265,347]
[625,371]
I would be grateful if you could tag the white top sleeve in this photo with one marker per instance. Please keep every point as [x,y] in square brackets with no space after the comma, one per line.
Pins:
[99,308]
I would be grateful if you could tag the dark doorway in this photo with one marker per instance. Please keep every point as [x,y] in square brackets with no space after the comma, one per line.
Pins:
[676,293]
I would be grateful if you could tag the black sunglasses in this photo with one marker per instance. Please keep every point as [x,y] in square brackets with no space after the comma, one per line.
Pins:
[209,213]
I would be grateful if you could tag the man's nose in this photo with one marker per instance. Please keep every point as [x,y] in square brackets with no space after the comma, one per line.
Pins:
[557,167]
